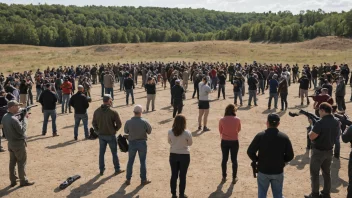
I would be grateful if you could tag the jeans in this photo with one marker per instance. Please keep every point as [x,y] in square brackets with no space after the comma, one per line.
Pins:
[65,102]
[340,101]
[214,82]
[228,146]
[59,95]
[104,140]
[315,80]
[238,94]
[349,188]
[102,89]
[196,90]
[52,114]
[30,97]
[141,147]
[39,91]
[221,88]
[261,86]
[151,97]
[78,118]
[283,97]
[179,165]
[320,160]
[276,182]
[178,106]
[121,83]
[128,93]
[252,95]
[110,91]
[337,145]
[271,96]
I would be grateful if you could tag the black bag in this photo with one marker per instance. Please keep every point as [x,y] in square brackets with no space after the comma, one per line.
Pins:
[122,142]
[92,135]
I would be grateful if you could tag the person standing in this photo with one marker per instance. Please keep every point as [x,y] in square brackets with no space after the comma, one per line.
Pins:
[274,151]
[303,88]
[106,122]
[23,93]
[48,101]
[66,94]
[136,130]
[323,137]
[283,92]
[252,89]
[15,132]
[101,80]
[79,102]
[203,104]
[347,138]
[273,84]
[340,94]
[109,84]
[129,86]
[180,141]
[151,92]
[222,82]
[185,77]
[177,98]
[237,88]
[58,83]
[229,127]
[197,78]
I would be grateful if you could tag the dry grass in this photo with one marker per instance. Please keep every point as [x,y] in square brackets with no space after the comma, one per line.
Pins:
[329,49]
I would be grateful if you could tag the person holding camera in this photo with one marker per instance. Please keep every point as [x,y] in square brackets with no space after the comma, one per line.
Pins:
[274,151]
[177,98]
[80,104]
[129,86]
[151,93]
[15,132]
[48,101]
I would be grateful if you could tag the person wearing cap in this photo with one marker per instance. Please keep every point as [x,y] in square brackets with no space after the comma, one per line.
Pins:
[136,130]
[323,136]
[129,86]
[66,94]
[274,151]
[106,122]
[303,88]
[48,101]
[151,92]
[340,94]
[273,84]
[177,98]
[283,92]
[109,81]
[15,132]
[80,103]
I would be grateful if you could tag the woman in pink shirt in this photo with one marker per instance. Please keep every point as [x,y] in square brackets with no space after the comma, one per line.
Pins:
[229,127]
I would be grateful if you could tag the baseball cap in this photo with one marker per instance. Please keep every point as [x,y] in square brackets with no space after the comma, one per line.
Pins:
[273,118]
[138,109]
[107,97]
[13,103]
[177,81]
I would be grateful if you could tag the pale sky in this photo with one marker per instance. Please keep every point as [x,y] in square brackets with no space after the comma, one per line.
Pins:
[223,5]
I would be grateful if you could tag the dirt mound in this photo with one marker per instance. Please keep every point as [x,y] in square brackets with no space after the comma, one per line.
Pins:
[328,43]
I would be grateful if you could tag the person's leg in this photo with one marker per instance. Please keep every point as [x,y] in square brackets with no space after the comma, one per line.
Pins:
[277,183]
[63,103]
[21,156]
[263,185]
[153,101]
[254,92]
[337,145]
[282,101]
[285,100]
[132,151]
[301,94]
[275,100]
[250,97]
[219,91]
[127,95]
[200,115]
[142,152]
[316,160]
[45,121]
[326,172]
[113,148]
[270,98]
[234,152]
[102,149]
[175,167]
[223,91]
[349,188]
[175,105]
[77,122]
[343,104]
[53,120]
[85,125]
[132,96]
[180,107]
[112,93]
[149,97]
[235,98]
[195,90]
[102,89]
[225,149]
[12,166]
[184,163]
[240,97]
[205,118]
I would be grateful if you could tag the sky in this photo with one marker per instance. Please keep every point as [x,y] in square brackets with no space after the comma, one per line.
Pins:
[222,5]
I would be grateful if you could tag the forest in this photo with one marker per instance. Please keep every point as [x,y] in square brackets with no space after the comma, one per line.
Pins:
[65,26]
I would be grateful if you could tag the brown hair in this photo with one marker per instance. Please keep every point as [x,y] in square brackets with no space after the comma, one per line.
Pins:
[179,125]
[326,107]
[230,110]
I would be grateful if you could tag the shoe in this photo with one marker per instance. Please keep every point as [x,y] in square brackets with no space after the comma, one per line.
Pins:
[255,105]
[311,196]
[13,184]
[65,111]
[146,182]
[234,180]
[101,173]
[27,184]
[337,156]
[128,182]
[183,196]
[302,104]
[200,127]
[206,129]
[281,109]
[269,108]
[55,135]
[43,134]
[119,172]
[153,110]
[75,138]
[70,111]
[223,180]
[133,103]
[174,196]
[2,150]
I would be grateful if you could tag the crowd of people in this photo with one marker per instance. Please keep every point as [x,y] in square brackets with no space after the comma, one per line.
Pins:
[269,151]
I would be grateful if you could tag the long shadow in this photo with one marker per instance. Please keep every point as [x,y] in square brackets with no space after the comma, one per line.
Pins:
[336,181]
[87,188]
[166,108]
[122,192]
[71,126]
[197,133]
[281,113]
[221,194]
[141,97]
[60,145]
[269,111]
[300,161]
[245,108]
[166,121]
[42,138]
[8,190]
[34,136]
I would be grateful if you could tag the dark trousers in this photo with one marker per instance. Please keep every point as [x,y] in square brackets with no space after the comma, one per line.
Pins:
[340,101]
[196,90]
[283,97]
[320,160]
[228,146]
[178,106]
[30,97]
[349,189]
[221,88]
[179,165]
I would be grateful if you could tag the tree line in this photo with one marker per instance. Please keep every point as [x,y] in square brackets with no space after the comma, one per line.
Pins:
[64,26]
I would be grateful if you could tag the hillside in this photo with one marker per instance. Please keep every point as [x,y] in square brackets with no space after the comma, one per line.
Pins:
[328,49]
[65,26]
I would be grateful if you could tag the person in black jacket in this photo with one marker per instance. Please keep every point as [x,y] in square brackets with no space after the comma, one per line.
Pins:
[303,88]
[177,96]
[274,151]
[252,89]
[48,101]
[80,103]
[347,138]
[151,90]
[222,82]
[129,86]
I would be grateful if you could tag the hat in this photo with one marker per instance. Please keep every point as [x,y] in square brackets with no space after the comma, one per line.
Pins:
[80,86]
[275,76]
[273,118]
[177,81]
[107,97]
[138,109]
[13,103]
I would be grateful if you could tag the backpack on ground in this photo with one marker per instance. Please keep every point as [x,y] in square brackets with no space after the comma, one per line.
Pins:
[122,142]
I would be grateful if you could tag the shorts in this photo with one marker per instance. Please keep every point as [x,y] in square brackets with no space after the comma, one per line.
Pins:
[202,104]
[303,93]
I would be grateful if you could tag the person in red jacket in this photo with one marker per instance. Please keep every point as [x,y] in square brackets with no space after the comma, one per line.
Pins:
[66,94]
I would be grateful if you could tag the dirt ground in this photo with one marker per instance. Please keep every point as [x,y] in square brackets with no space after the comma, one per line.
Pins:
[52,160]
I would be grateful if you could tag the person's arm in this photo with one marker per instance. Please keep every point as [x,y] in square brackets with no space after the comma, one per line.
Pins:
[239,126]
[41,99]
[220,127]
[133,84]
[17,127]
[253,149]
[95,123]
[314,134]
[169,138]
[148,128]
[347,135]
[288,151]
[189,139]
[118,123]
